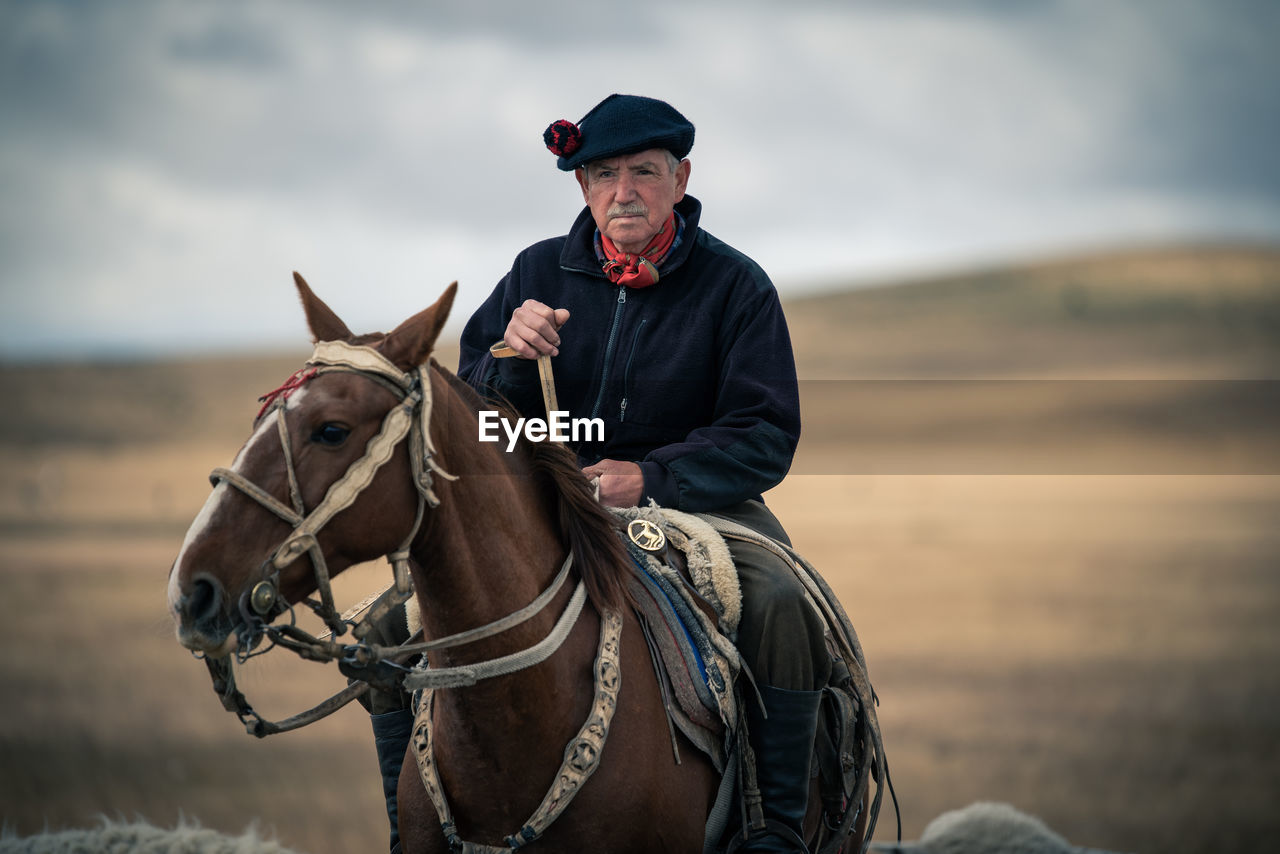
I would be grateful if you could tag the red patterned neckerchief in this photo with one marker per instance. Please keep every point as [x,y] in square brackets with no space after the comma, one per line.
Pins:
[637,271]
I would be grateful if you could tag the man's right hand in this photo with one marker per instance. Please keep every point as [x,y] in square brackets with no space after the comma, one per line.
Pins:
[534,329]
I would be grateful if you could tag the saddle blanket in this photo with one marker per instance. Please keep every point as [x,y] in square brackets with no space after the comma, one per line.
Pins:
[690,624]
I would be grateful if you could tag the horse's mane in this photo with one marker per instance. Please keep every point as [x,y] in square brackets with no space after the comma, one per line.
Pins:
[589,530]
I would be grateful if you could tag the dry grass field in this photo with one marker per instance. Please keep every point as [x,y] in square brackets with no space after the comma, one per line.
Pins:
[1048,496]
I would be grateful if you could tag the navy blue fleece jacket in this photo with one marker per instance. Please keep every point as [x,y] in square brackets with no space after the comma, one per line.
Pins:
[694,376]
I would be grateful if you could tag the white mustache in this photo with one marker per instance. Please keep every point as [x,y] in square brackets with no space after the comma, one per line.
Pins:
[634,209]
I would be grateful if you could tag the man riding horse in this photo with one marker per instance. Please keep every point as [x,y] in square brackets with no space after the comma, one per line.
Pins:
[678,343]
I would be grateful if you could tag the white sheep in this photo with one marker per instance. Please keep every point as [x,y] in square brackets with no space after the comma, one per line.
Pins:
[115,837]
[985,828]
[980,828]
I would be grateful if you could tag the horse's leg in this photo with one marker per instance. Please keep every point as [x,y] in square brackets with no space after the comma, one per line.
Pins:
[419,827]
[860,824]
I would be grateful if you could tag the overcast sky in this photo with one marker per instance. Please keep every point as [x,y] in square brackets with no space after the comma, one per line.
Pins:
[164,166]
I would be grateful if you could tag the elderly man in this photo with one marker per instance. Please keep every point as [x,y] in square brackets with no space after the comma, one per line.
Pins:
[678,343]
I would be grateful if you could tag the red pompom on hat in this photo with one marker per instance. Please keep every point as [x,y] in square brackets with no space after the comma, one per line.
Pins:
[620,124]
[562,137]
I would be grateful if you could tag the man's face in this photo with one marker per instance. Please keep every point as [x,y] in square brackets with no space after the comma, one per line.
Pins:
[632,195]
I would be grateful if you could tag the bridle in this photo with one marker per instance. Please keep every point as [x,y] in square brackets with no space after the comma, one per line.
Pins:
[410,419]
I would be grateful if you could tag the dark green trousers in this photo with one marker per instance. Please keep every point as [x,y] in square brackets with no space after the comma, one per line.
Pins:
[781,635]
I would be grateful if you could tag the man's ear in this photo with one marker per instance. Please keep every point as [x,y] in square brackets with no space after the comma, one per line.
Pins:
[682,178]
[581,174]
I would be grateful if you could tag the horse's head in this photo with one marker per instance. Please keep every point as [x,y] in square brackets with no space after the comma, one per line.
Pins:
[306,496]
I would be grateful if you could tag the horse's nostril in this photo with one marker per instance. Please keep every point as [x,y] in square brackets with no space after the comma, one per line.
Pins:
[202,603]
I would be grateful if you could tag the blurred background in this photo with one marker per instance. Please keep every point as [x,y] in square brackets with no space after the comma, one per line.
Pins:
[1030,253]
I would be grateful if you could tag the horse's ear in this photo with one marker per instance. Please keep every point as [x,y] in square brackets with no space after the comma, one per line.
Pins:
[324,324]
[410,343]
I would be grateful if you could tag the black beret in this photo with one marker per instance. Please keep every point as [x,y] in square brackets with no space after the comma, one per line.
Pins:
[620,124]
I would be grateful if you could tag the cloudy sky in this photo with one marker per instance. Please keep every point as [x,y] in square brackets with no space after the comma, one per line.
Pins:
[165,165]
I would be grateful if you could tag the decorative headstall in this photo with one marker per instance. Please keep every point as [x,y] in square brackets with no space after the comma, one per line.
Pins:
[410,418]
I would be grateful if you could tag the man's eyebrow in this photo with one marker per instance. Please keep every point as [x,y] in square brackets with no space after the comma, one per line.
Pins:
[651,165]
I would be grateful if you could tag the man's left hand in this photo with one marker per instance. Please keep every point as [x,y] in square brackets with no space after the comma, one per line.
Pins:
[621,483]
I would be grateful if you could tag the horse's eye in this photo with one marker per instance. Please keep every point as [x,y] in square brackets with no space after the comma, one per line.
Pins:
[331,434]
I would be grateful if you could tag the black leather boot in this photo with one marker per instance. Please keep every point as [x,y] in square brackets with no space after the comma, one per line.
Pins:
[783,744]
[390,714]
[391,732]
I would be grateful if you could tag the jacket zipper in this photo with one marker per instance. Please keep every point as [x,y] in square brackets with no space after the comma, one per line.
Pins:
[608,350]
[626,372]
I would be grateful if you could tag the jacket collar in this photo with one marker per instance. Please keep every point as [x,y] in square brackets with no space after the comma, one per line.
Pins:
[579,253]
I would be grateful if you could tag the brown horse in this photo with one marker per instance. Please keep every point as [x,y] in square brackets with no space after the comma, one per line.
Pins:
[490,541]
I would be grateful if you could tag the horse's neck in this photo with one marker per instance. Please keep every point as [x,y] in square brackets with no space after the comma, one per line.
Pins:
[490,547]
[491,550]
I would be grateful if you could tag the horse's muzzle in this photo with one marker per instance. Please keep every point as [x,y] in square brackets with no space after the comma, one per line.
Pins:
[204,621]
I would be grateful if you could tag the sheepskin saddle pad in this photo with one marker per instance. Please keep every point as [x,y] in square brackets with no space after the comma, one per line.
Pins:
[689,602]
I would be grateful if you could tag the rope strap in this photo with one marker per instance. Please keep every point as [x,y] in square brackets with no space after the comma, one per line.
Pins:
[461,638]
[497,626]
[233,700]
[255,492]
[469,674]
